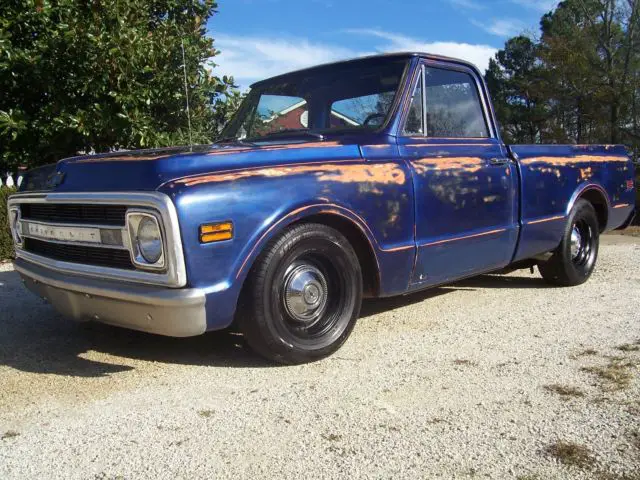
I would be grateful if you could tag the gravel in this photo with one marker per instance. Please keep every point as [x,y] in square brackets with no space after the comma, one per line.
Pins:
[488,378]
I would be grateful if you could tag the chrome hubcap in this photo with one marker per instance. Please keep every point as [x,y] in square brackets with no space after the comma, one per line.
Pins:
[305,293]
[576,242]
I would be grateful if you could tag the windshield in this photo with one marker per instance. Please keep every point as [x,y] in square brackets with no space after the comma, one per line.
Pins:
[338,97]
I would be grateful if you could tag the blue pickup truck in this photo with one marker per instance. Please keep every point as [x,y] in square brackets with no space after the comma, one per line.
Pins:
[372,177]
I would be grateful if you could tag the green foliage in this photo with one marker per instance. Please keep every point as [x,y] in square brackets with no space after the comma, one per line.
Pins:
[514,78]
[6,242]
[637,218]
[579,83]
[81,76]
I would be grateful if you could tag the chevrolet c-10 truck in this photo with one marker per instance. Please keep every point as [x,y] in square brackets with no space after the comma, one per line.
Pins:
[372,177]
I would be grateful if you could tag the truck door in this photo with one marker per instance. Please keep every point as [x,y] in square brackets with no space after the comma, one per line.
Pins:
[465,184]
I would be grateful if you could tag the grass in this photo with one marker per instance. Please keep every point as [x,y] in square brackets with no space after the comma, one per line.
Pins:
[616,476]
[461,361]
[630,347]
[206,413]
[332,437]
[572,454]
[632,231]
[564,390]
[617,374]
[587,352]
[436,420]
[390,428]
[635,439]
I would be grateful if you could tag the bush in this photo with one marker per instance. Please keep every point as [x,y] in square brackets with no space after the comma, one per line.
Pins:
[636,221]
[79,76]
[6,242]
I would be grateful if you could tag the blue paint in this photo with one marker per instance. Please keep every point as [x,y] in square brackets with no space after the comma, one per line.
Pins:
[433,210]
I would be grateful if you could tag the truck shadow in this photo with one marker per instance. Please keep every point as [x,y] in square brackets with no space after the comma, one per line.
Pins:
[374,306]
[33,338]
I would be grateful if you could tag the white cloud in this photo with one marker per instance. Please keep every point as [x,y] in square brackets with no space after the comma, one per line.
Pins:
[468,4]
[479,55]
[501,27]
[539,5]
[249,59]
[254,58]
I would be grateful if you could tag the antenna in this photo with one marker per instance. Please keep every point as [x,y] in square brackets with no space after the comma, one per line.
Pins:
[186,94]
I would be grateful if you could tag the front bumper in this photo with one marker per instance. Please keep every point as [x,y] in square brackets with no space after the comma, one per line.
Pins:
[165,311]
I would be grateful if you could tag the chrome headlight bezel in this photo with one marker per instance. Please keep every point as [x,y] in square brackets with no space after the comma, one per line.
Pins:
[134,219]
[14,226]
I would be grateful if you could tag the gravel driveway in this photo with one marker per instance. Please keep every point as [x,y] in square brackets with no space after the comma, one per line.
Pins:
[495,377]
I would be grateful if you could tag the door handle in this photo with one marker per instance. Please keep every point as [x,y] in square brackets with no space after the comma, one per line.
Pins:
[498,161]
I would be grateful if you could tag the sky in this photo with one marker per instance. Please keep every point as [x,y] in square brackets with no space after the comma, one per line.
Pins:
[262,38]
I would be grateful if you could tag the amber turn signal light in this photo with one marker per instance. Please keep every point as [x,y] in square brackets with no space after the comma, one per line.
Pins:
[216,232]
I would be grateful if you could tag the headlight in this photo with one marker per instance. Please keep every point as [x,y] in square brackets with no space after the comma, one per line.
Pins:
[149,240]
[14,224]
[146,240]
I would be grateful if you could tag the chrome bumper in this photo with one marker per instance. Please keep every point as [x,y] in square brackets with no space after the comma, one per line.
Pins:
[165,311]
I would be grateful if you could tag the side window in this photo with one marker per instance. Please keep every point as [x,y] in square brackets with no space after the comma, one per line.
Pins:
[453,105]
[413,125]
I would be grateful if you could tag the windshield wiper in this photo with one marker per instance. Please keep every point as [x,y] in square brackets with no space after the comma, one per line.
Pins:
[295,132]
[235,140]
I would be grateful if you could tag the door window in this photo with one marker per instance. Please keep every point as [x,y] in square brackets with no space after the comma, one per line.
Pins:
[453,105]
[413,124]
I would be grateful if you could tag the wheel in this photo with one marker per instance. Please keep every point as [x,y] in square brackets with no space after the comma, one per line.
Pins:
[574,260]
[303,295]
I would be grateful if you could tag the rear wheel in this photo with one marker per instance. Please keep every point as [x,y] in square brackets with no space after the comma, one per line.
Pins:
[574,260]
[302,296]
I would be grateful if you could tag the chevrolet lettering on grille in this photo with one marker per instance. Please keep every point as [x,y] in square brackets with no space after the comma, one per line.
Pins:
[68,234]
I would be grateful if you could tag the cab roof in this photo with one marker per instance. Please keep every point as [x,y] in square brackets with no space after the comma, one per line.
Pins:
[368,59]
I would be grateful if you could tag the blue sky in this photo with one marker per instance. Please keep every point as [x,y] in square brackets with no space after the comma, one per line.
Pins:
[262,38]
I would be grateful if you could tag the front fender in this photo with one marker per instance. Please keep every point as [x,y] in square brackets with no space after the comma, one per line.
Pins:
[273,229]
[376,197]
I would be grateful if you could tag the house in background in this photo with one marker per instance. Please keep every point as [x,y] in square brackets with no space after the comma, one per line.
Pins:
[296,116]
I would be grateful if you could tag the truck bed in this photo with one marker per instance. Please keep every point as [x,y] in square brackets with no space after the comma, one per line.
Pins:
[553,176]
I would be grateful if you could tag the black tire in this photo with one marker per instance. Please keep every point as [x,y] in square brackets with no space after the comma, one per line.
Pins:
[283,312]
[574,260]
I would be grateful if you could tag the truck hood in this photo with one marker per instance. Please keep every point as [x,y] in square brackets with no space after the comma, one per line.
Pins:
[141,170]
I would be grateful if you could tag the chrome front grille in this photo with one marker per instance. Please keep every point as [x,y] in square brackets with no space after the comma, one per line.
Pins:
[82,254]
[88,234]
[76,214]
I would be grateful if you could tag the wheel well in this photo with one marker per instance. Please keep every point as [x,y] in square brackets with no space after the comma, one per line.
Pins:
[596,198]
[360,244]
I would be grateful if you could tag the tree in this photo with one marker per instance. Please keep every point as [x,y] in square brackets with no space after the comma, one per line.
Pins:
[515,78]
[80,76]
[589,45]
[580,82]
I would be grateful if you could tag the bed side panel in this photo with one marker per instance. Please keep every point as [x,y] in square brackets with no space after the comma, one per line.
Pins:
[554,176]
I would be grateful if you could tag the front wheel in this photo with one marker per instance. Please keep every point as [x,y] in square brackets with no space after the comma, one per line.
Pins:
[302,296]
[574,260]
